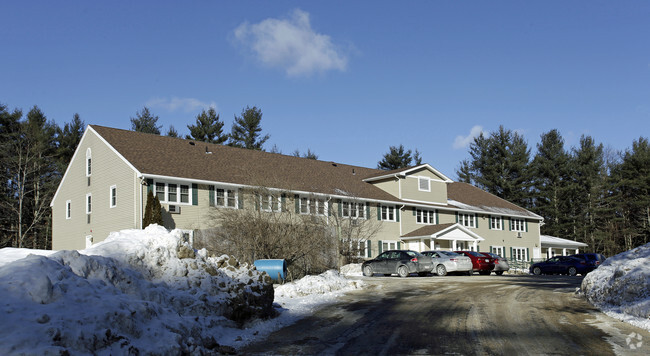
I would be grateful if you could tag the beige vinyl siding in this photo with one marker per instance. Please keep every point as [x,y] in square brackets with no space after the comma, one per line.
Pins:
[191,217]
[390,186]
[107,170]
[411,188]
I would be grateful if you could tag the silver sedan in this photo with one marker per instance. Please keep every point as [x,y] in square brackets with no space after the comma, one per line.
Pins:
[448,261]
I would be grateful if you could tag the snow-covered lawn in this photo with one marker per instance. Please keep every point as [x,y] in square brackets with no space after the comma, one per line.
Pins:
[144,291]
[620,287]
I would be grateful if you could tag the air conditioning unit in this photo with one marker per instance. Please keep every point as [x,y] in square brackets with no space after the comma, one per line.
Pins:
[519,234]
[173,209]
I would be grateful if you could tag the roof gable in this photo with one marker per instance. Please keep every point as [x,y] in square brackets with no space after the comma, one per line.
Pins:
[403,172]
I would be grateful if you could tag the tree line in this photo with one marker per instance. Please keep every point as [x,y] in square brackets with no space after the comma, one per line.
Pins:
[585,193]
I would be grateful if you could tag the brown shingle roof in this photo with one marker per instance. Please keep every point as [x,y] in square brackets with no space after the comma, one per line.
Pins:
[463,195]
[174,157]
[428,230]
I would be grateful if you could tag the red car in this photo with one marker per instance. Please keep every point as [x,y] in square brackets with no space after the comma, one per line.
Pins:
[480,263]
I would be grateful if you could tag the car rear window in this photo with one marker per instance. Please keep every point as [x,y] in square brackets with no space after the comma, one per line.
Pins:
[449,253]
[474,253]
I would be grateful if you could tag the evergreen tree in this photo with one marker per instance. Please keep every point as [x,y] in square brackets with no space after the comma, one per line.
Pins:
[67,140]
[10,128]
[148,210]
[464,172]
[172,131]
[246,130]
[208,128]
[499,165]
[145,122]
[550,183]
[398,157]
[309,154]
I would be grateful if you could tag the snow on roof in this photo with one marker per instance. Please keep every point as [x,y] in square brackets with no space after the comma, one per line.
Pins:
[552,241]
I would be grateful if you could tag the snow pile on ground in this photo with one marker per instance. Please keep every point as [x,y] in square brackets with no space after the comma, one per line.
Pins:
[326,282]
[352,270]
[126,295]
[620,287]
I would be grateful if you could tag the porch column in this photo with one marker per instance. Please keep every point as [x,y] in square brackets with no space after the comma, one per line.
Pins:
[564,252]
[453,245]
[475,246]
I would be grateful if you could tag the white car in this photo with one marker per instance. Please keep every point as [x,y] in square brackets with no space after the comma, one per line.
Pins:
[448,261]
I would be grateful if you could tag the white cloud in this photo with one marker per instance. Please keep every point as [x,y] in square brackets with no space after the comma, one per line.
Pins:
[291,44]
[464,141]
[185,104]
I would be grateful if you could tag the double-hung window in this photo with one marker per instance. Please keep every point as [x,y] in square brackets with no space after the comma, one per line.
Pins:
[496,223]
[520,253]
[68,209]
[172,193]
[353,210]
[517,224]
[269,202]
[312,205]
[89,203]
[388,213]
[423,216]
[468,220]
[226,198]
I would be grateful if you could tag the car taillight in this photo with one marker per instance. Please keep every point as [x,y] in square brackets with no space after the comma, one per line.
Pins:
[453,259]
[496,262]
[583,263]
[414,259]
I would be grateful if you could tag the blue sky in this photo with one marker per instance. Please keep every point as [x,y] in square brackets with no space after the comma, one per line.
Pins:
[344,79]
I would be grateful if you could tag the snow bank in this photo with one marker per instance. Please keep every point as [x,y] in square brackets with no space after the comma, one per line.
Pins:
[326,282]
[352,269]
[125,295]
[620,287]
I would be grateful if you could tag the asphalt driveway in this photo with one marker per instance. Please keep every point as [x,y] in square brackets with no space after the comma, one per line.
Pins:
[459,315]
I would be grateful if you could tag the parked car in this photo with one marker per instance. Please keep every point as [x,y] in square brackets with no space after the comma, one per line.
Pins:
[500,263]
[401,262]
[560,265]
[448,261]
[480,263]
[593,260]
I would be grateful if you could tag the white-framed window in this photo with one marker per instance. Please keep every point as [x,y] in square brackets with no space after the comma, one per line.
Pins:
[113,196]
[361,247]
[89,203]
[312,205]
[88,162]
[269,202]
[388,213]
[423,216]
[68,209]
[424,184]
[226,198]
[517,224]
[499,250]
[172,193]
[353,210]
[388,245]
[467,220]
[520,254]
[496,223]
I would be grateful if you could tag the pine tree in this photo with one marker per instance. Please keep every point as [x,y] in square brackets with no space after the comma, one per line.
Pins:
[148,210]
[208,128]
[550,183]
[171,132]
[309,154]
[145,122]
[246,130]
[464,172]
[396,158]
[499,165]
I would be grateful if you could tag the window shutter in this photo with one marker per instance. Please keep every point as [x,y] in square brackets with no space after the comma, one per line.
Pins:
[527,254]
[296,200]
[397,214]
[283,202]
[478,248]
[149,185]
[511,257]
[476,220]
[240,199]
[509,224]
[378,211]
[413,211]
[437,217]
[340,204]
[399,245]
[491,249]
[211,191]
[456,217]
[490,226]
[329,207]
[379,247]
[367,211]
[526,224]
[369,244]
[195,194]
[258,200]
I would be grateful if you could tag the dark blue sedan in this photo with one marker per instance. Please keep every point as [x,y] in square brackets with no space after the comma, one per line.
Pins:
[560,265]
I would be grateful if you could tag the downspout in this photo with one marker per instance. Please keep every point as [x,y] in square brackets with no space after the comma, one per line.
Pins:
[141,213]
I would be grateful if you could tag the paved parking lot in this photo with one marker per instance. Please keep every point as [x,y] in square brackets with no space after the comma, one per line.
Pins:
[459,315]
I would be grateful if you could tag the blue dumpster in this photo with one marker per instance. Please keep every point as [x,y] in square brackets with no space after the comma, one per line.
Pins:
[277,269]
